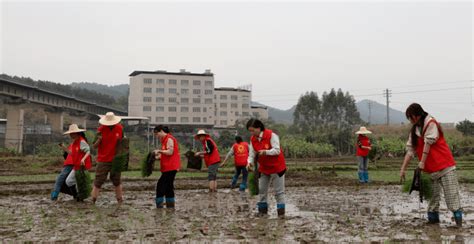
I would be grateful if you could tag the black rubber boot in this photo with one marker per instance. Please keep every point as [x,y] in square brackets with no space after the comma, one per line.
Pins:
[433,218]
[73,191]
[458,218]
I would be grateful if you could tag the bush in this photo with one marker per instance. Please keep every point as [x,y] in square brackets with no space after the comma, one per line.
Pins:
[48,150]
[389,146]
[299,148]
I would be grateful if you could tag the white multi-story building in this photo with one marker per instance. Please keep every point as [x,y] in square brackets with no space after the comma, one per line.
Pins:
[231,104]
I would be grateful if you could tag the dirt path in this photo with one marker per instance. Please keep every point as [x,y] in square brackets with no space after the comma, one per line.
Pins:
[329,214]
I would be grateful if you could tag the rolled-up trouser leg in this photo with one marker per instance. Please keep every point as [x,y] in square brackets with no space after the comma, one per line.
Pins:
[279,188]
[433,205]
[263,183]
[450,185]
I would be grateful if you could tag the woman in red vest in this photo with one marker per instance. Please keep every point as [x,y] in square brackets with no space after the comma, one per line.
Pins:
[170,163]
[427,142]
[363,147]
[271,165]
[240,150]
[211,157]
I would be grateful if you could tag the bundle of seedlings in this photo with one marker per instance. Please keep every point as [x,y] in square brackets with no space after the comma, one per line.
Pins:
[148,164]
[83,183]
[421,182]
[120,161]
[253,179]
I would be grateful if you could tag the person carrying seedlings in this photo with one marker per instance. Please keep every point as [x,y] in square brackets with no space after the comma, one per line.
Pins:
[363,147]
[211,157]
[170,163]
[427,142]
[271,165]
[80,156]
[109,134]
[240,150]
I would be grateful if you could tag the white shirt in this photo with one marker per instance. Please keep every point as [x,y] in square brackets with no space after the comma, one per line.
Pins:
[274,151]
[430,137]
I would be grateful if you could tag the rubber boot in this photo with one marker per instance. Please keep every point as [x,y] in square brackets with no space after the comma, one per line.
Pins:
[366,176]
[54,195]
[73,191]
[458,218]
[433,218]
[170,202]
[233,184]
[281,210]
[361,177]
[242,187]
[159,202]
[262,208]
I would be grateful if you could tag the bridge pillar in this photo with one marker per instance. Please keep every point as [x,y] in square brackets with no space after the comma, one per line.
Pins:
[14,130]
[56,120]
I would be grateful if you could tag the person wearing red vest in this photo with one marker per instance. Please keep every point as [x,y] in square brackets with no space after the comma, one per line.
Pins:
[362,151]
[240,150]
[77,153]
[427,142]
[109,134]
[265,145]
[211,157]
[170,163]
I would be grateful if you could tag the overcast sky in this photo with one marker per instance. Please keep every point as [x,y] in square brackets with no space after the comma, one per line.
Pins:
[283,49]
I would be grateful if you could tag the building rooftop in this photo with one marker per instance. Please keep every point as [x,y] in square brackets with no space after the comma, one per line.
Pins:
[259,106]
[164,72]
[230,89]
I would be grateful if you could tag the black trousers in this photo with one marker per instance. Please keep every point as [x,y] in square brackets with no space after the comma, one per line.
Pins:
[165,185]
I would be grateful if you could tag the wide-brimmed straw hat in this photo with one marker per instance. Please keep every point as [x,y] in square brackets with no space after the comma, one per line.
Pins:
[109,119]
[200,133]
[73,128]
[363,131]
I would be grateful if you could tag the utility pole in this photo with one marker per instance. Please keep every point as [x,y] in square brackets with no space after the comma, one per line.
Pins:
[370,111]
[388,94]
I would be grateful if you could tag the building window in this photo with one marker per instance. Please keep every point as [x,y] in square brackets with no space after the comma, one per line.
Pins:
[223,105]
[160,90]
[196,109]
[172,90]
[245,114]
[245,105]
[184,109]
[223,97]
[146,108]
[171,109]
[173,82]
[204,110]
[208,92]
[196,119]
[147,89]
[172,99]
[196,91]
[185,82]
[184,91]
[204,120]
[171,119]
[184,100]
[233,97]
[223,113]
[223,122]
[208,101]
[196,100]
[233,105]
[184,119]
[146,81]
[255,114]
[160,119]
[147,99]
[208,83]
[160,99]
[160,109]
[196,82]
[160,82]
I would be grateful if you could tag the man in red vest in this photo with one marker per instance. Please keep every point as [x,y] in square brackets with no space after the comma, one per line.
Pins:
[427,142]
[271,165]
[109,133]
[170,163]
[211,157]
[240,150]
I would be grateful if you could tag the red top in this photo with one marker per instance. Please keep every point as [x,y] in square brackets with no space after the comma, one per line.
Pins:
[241,154]
[170,162]
[440,156]
[362,141]
[77,155]
[268,164]
[213,157]
[110,137]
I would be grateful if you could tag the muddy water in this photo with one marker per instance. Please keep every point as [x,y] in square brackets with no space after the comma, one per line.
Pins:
[327,214]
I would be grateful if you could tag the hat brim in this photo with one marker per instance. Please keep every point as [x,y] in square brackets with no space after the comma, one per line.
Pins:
[202,134]
[115,121]
[74,131]
[363,132]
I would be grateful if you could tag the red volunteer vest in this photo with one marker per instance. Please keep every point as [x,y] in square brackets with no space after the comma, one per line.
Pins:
[213,157]
[68,160]
[170,162]
[106,149]
[77,155]
[268,164]
[440,156]
[241,154]
[364,141]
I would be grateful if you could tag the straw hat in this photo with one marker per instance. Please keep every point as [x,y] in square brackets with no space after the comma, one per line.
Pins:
[363,131]
[73,128]
[109,119]
[200,132]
